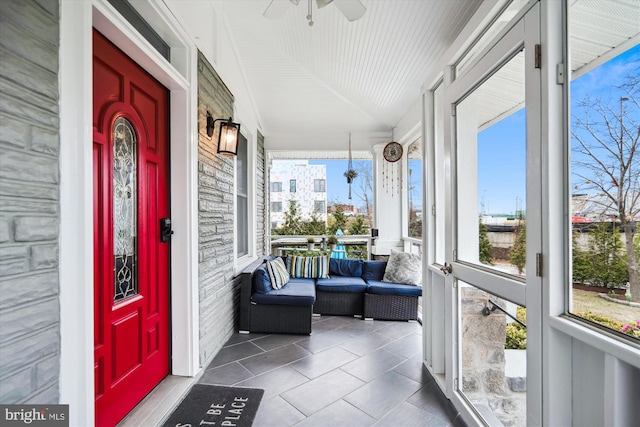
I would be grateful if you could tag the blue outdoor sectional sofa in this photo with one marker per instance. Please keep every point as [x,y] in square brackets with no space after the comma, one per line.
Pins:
[353,287]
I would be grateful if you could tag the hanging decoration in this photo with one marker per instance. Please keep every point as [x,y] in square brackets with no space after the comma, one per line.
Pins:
[392,168]
[350,173]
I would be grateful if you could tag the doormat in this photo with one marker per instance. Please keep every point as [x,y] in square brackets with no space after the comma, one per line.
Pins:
[214,405]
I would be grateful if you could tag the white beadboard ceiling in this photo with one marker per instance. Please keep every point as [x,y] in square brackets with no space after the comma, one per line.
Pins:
[312,86]
[337,75]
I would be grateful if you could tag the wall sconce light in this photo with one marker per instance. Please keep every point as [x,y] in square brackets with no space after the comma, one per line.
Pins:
[227,137]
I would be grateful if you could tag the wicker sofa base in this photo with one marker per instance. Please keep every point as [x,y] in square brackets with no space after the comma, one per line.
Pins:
[390,307]
[338,303]
[280,319]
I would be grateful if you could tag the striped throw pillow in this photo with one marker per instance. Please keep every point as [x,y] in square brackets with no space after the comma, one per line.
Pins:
[316,267]
[278,273]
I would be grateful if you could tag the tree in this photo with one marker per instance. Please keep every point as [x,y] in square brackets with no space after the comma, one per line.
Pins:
[364,190]
[607,162]
[358,226]
[607,265]
[292,222]
[581,263]
[338,221]
[485,245]
[519,249]
[315,226]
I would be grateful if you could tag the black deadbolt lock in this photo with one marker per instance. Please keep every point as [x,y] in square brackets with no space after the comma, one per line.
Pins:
[165,229]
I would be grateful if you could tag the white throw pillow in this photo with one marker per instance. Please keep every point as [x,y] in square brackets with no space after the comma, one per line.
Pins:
[404,268]
[278,273]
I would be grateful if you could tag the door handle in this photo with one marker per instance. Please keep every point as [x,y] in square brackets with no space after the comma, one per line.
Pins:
[446,269]
[165,229]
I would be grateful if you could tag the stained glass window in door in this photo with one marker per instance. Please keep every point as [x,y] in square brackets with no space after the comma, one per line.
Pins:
[124,210]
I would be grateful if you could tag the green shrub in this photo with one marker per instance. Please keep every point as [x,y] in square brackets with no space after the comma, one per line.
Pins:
[516,338]
[602,320]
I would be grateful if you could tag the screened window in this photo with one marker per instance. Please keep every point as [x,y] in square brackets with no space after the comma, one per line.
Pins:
[292,186]
[414,190]
[319,185]
[276,206]
[242,205]
[318,206]
[605,176]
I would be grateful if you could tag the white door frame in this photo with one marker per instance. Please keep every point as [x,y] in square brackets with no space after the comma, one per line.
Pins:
[77,19]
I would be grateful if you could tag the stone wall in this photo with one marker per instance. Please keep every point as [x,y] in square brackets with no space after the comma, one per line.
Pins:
[219,288]
[484,373]
[29,202]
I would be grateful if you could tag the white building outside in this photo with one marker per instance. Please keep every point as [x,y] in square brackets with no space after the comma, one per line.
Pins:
[297,180]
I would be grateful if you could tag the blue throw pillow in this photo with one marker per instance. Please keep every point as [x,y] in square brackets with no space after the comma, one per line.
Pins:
[374,270]
[345,267]
[260,281]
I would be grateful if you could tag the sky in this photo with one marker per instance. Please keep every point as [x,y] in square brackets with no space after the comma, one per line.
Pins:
[337,188]
[501,148]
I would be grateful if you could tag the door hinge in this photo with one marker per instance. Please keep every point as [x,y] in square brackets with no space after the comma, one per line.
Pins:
[539,264]
[453,110]
[538,57]
[560,74]
[455,384]
[433,210]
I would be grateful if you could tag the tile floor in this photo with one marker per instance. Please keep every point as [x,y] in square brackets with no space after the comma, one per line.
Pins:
[349,372]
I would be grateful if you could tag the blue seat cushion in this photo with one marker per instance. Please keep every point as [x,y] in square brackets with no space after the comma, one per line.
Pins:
[345,267]
[346,284]
[296,292]
[385,288]
[373,270]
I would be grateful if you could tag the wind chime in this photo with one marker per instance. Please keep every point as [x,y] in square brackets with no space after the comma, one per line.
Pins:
[391,169]
[350,173]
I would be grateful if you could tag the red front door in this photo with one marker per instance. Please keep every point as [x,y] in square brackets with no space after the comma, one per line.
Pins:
[131,282]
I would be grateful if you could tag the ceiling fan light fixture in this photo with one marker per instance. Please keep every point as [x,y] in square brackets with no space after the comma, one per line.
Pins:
[351,9]
[322,3]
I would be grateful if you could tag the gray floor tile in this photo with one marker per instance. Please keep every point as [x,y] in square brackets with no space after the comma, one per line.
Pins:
[319,393]
[275,382]
[355,329]
[407,346]
[277,412]
[330,323]
[381,395]
[414,369]
[323,341]
[368,343]
[348,372]
[373,365]
[339,414]
[323,362]
[239,338]
[271,342]
[235,352]
[228,374]
[273,359]
[431,399]
[406,415]
[400,329]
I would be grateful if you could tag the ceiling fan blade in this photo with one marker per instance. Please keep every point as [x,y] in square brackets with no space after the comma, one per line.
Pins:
[352,9]
[322,3]
[276,9]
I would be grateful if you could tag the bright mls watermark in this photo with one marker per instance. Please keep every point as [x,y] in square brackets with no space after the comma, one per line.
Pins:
[36,415]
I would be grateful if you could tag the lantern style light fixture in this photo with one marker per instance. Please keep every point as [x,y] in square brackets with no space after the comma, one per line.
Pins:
[227,136]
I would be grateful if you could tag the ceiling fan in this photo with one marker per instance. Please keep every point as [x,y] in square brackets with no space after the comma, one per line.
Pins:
[351,9]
